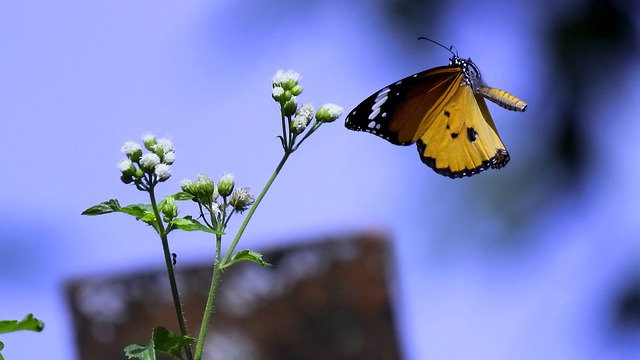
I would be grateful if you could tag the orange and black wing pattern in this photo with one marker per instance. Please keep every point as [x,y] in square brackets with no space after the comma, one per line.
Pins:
[462,139]
[396,112]
[442,110]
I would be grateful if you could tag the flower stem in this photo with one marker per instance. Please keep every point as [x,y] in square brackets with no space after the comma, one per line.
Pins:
[220,263]
[170,272]
[209,307]
[232,247]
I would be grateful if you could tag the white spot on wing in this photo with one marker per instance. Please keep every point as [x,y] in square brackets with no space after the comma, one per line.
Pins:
[374,113]
[382,95]
[379,102]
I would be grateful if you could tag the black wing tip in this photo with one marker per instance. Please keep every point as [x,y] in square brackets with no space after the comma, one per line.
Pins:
[348,122]
[498,161]
[357,124]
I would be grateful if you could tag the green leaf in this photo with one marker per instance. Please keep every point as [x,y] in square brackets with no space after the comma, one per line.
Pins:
[169,342]
[149,218]
[143,212]
[28,323]
[137,210]
[182,196]
[135,351]
[188,223]
[106,207]
[247,255]
[162,340]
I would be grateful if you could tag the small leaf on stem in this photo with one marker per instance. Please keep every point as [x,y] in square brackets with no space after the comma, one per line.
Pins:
[188,223]
[182,196]
[28,323]
[140,211]
[247,255]
[162,340]
[106,207]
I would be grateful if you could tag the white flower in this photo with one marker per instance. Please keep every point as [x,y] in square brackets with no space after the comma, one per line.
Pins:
[227,178]
[306,110]
[125,165]
[302,118]
[169,157]
[163,172]
[149,141]
[166,145]
[299,124]
[130,147]
[329,112]
[241,199]
[333,110]
[185,184]
[282,77]
[149,161]
[148,137]
[276,92]
[203,179]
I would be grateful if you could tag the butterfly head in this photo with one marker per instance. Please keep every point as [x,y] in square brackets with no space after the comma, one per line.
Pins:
[470,71]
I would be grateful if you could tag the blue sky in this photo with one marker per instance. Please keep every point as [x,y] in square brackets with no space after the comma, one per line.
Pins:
[507,264]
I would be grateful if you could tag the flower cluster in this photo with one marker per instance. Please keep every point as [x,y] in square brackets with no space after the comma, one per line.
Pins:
[217,198]
[285,89]
[146,170]
[149,163]
[202,189]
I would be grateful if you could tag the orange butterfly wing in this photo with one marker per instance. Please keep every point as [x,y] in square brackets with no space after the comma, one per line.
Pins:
[438,109]
[395,112]
[462,139]
[409,120]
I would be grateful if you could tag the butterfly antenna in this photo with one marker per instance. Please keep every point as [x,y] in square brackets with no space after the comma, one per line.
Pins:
[450,49]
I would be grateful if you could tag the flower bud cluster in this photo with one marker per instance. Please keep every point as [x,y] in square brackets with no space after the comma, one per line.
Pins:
[169,208]
[202,189]
[218,199]
[285,89]
[145,170]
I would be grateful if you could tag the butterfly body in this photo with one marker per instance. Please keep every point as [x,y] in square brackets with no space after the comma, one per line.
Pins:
[443,111]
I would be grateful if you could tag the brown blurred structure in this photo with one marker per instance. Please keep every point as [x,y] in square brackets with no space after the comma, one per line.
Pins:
[327,299]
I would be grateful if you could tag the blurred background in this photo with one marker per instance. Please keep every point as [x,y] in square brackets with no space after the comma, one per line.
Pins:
[540,259]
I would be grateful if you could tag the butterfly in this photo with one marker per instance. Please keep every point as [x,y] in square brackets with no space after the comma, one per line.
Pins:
[443,111]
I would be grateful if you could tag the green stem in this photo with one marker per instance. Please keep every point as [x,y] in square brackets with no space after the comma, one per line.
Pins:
[219,265]
[170,272]
[315,127]
[232,247]
[209,307]
[284,125]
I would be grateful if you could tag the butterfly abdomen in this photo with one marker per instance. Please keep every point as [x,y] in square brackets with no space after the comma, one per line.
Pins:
[502,98]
